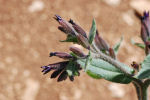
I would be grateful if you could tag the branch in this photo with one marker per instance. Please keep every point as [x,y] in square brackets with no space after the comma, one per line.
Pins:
[138,90]
[112,61]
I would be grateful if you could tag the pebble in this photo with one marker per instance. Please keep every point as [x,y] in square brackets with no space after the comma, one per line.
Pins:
[31,90]
[128,19]
[112,2]
[116,90]
[37,5]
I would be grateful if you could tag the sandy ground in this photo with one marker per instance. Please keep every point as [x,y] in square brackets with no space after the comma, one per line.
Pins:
[28,33]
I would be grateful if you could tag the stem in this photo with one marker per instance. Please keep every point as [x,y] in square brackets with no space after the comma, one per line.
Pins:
[99,54]
[112,61]
[137,90]
[140,86]
[141,90]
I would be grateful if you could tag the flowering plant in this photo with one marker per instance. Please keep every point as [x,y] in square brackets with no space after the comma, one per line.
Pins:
[101,60]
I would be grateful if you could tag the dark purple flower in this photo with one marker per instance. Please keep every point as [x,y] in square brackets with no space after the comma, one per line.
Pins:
[100,42]
[46,69]
[65,27]
[146,15]
[78,28]
[61,55]
[62,76]
[112,53]
[83,41]
[77,51]
[55,66]
[135,65]
[60,68]
[143,34]
[56,73]
[145,26]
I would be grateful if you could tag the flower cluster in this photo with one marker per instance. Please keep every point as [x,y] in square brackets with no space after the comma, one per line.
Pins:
[60,68]
[77,35]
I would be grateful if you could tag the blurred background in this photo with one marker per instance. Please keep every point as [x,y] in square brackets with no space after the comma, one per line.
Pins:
[28,33]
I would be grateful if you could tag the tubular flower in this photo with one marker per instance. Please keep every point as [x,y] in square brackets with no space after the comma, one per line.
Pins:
[78,28]
[145,27]
[74,32]
[100,42]
[65,26]
[61,55]
[59,69]
[112,53]
[77,51]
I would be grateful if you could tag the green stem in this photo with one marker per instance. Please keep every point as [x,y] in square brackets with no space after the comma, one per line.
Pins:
[144,92]
[141,90]
[137,90]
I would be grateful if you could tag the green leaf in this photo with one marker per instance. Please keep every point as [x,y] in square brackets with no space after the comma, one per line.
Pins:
[145,70]
[72,69]
[116,47]
[142,46]
[70,39]
[92,32]
[98,68]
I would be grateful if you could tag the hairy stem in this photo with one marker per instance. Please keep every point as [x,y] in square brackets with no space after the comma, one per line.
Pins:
[140,86]
[99,54]
[137,90]
[112,61]
[141,90]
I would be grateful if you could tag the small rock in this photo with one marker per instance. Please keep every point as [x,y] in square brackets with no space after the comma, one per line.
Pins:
[77,94]
[116,90]
[37,5]
[9,60]
[112,2]
[31,90]
[128,19]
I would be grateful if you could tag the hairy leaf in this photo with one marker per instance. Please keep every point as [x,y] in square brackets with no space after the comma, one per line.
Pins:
[98,68]
[145,70]
[70,39]
[92,32]
[116,47]
[142,46]
[72,69]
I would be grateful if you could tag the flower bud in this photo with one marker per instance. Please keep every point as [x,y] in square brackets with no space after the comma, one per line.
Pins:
[78,28]
[62,76]
[65,27]
[83,41]
[61,55]
[145,26]
[143,33]
[77,51]
[112,53]
[135,65]
[100,43]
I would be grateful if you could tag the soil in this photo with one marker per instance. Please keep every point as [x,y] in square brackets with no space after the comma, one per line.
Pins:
[28,33]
